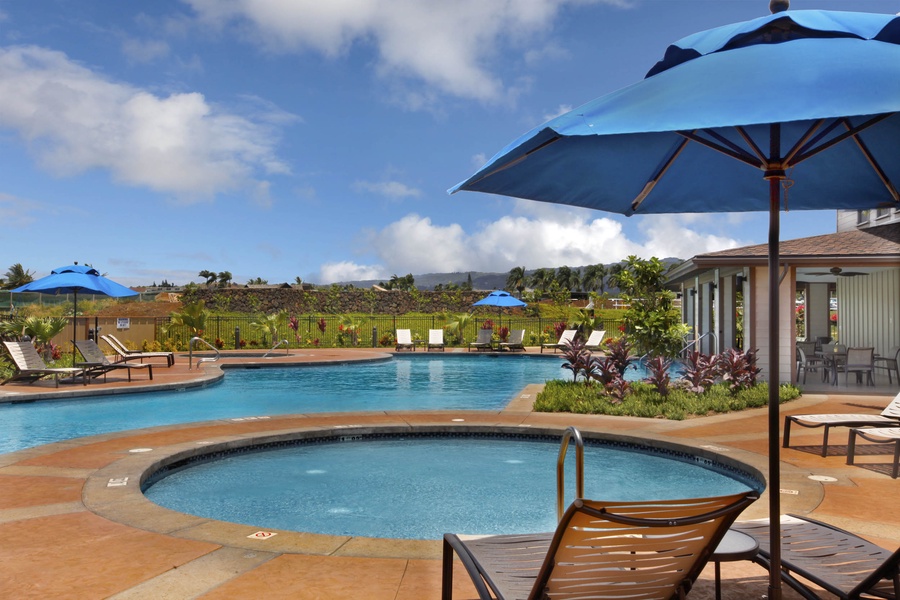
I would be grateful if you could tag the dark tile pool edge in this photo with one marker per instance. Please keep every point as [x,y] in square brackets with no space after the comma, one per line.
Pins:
[114,492]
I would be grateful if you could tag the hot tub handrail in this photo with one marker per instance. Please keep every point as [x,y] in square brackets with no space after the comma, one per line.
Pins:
[571,432]
[207,359]
[284,343]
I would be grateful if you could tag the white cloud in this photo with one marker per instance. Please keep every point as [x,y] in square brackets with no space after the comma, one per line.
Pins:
[393,190]
[551,236]
[348,271]
[75,120]
[448,46]
[144,51]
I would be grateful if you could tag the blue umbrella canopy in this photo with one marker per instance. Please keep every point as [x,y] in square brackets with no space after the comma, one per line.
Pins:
[73,279]
[499,298]
[805,100]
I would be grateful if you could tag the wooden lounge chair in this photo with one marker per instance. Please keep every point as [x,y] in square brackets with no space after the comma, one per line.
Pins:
[435,340]
[404,340]
[124,354]
[515,341]
[30,366]
[636,550]
[595,339]
[877,435]
[835,560]
[567,336]
[483,341]
[96,363]
[889,417]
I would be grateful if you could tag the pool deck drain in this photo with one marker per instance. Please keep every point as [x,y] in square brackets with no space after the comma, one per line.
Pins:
[68,535]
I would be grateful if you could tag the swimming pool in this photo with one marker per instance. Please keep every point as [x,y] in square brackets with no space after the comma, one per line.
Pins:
[421,486]
[464,381]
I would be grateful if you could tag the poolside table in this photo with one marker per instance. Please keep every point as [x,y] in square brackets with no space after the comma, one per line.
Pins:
[735,546]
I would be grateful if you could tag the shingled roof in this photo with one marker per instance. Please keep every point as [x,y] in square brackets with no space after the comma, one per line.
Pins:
[875,246]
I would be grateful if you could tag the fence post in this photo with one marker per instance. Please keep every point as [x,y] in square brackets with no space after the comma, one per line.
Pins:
[237,338]
[374,337]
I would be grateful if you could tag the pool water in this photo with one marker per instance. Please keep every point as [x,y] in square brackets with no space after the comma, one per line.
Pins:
[421,488]
[457,381]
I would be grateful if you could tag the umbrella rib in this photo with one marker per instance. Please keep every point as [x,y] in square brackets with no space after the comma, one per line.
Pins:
[651,183]
[874,164]
[724,146]
[516,161]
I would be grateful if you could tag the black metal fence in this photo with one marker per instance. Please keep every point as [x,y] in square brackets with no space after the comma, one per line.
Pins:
[230,332]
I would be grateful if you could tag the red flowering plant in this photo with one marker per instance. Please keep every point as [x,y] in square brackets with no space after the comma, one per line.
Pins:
[560,327]
[503,332]
[322,324]
[294,324]
[488,324]
[834,318]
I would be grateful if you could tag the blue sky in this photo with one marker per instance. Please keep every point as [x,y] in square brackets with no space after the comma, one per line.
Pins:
[302,138]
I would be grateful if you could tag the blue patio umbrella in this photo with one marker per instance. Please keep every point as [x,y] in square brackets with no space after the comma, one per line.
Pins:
[72,280]
[501,299]
[805,100]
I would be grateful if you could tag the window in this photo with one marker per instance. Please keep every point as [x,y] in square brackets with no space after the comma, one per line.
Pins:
[862,216]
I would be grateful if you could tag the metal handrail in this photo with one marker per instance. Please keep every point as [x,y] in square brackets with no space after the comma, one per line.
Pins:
[571,432]
[205,359]
[285,343]
[697,341]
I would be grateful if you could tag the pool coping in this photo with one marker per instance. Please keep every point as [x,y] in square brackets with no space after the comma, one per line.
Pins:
[114,492]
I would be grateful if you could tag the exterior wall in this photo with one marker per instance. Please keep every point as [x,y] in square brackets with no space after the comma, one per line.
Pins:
[817,311]
[139,329]
[868,311]
[759,335]
[848,220]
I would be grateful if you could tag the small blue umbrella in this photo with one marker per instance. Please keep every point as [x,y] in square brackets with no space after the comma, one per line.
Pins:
[72,280]
[805,100]
[501,299]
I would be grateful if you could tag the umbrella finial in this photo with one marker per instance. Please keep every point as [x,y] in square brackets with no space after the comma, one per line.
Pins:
[777,6]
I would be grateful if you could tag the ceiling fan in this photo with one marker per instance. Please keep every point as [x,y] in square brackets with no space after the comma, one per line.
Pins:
[839,272]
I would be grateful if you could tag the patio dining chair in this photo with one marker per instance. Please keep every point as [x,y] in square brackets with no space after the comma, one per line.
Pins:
[639,550]
[890,362]
[860,361]
[809,362]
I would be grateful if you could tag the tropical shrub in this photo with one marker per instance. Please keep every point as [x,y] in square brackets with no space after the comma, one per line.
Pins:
[700,371]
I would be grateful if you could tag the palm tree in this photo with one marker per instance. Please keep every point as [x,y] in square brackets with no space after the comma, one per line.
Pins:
[516,278]
[16,276]
[615,271]
[193,316]
[542,278]
[568,278]
[224,278]
[209,276]
[592,278]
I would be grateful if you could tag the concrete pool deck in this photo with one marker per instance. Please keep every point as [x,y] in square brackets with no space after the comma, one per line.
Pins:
[73,526]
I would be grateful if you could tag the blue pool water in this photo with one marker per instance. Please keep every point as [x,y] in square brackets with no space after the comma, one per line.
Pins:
[421,488]
[461,381]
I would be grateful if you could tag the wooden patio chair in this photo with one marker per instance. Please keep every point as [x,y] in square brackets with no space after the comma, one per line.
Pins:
[637,550]
[834,559]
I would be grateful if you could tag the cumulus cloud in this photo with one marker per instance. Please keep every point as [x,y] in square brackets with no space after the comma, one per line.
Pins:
[542,235]
[74,120]
[448,46]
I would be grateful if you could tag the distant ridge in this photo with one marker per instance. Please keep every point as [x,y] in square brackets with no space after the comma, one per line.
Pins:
[480,280]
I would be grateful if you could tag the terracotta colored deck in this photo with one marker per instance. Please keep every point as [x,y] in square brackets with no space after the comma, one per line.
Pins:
[69,531]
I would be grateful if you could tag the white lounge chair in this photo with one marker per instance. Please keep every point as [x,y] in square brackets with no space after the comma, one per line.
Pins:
[889,417]
[515,341]
[565,339]
[878,435]
[483,341]
[404,340]
[31,367]
[96,363]
[124,354]
[435,340]
[595,339]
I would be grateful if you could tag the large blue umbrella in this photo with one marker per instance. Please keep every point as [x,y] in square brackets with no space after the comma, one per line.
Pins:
[72,280]
[806,100]
[501,299]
